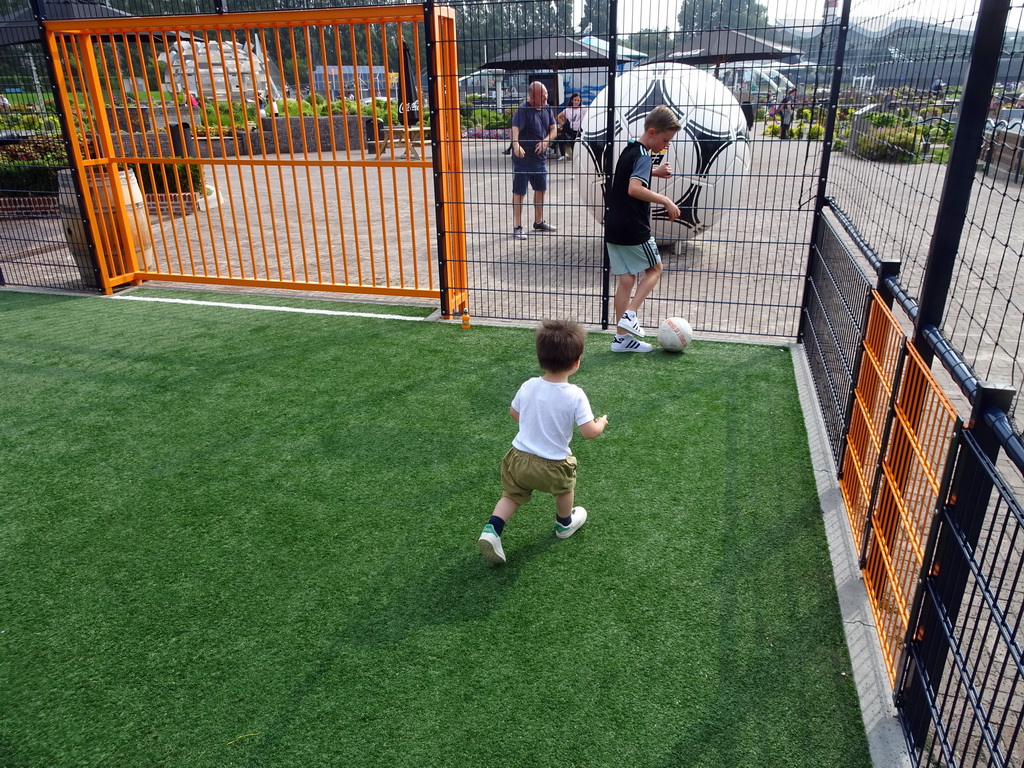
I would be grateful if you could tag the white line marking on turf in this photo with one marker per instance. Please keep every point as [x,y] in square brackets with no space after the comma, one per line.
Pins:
[268,307]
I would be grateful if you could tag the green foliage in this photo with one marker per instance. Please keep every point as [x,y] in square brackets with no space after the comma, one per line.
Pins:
[697,15]
[897,145]
[803,114]
[940,155]
[225,114]
[481,118]
[940,133]
[179,178]
[772,128]
[839,145]
[882,119]
[797,130]
[31,165]
[815,131]
[295,108]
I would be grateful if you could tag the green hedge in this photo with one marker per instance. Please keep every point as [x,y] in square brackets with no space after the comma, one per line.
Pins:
[31,165]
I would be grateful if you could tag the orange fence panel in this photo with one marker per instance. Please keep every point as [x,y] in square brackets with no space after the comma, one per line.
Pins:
[235,162]
[901,415]
[880,363]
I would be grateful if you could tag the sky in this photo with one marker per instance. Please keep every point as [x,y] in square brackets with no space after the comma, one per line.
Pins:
[657,14]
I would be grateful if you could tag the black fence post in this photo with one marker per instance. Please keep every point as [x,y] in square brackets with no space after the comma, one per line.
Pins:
[959,525]
[963,164]
[70,143]
[440,213]
[821,200]
[888,272]
[609,152]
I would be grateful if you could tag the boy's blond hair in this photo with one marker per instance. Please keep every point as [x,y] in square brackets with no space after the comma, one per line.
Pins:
[662,119]
[559,344]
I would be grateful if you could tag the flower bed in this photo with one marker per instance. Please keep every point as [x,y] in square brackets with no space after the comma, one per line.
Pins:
[487,133]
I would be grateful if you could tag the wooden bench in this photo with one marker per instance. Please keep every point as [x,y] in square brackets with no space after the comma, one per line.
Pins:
[399,135]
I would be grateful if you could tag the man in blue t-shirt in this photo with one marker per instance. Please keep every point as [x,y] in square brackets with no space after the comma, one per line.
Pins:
[533,129]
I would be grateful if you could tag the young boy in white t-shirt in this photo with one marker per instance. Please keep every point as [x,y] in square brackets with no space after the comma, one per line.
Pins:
[546,408]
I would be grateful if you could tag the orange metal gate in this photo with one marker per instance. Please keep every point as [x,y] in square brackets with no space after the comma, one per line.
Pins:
[267,149]
[897,447]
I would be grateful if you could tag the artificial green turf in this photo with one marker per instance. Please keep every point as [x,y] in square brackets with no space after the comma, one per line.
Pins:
[245,538]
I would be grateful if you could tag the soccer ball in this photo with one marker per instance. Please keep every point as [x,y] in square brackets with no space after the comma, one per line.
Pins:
[675,334]
[709,156]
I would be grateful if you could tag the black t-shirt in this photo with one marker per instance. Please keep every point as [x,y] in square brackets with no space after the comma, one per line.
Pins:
[627,220]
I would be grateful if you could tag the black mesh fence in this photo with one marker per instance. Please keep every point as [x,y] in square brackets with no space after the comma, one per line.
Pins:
[907,76]
[734,262]
[735,259]
[42,242]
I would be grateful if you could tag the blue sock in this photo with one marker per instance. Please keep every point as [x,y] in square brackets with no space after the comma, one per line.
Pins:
[564,521]
[497,523]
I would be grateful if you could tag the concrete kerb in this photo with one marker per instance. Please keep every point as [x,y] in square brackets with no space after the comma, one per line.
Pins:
[885,736]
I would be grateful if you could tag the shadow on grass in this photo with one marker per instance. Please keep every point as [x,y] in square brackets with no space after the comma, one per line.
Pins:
[453,588]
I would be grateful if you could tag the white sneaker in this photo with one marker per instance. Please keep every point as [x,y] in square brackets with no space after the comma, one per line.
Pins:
[518,233]
[576,521]
[628,322]
[490,545]
[629,344]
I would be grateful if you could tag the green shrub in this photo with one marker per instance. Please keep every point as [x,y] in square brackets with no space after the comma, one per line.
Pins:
[761,113]
[815,131]
[797,131]
[882,119]
[31,165]
[771,128]
[502,120]
[479,118]
[295,108]
[803,114]
[896,145]
[224,114]
[838,145]
[179,178]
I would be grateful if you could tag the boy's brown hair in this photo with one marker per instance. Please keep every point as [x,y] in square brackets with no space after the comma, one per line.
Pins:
[559,344]
[662,119]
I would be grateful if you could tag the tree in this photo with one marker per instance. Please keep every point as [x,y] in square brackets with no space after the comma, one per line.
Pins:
[596,17]
[696,16]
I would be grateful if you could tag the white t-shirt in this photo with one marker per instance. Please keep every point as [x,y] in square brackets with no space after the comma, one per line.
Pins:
[547,413]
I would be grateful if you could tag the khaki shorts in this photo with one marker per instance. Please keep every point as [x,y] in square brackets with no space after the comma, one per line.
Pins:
[523,473]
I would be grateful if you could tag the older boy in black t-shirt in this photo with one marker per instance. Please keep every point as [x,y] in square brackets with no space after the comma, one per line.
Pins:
[632,250]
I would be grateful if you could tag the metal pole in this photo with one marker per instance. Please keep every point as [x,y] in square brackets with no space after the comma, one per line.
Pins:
[830,128]
[70,139]
[609,150]
[440,210]
[959,181]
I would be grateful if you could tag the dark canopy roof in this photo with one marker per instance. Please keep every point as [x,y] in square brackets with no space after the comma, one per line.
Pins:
[556,52]
[723,45]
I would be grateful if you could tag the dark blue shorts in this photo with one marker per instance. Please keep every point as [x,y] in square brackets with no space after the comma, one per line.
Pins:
[535,176]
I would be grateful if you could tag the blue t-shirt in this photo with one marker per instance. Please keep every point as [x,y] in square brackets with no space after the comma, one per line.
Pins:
[534,125]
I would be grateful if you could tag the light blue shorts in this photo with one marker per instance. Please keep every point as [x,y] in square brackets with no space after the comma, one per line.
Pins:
[633,259]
